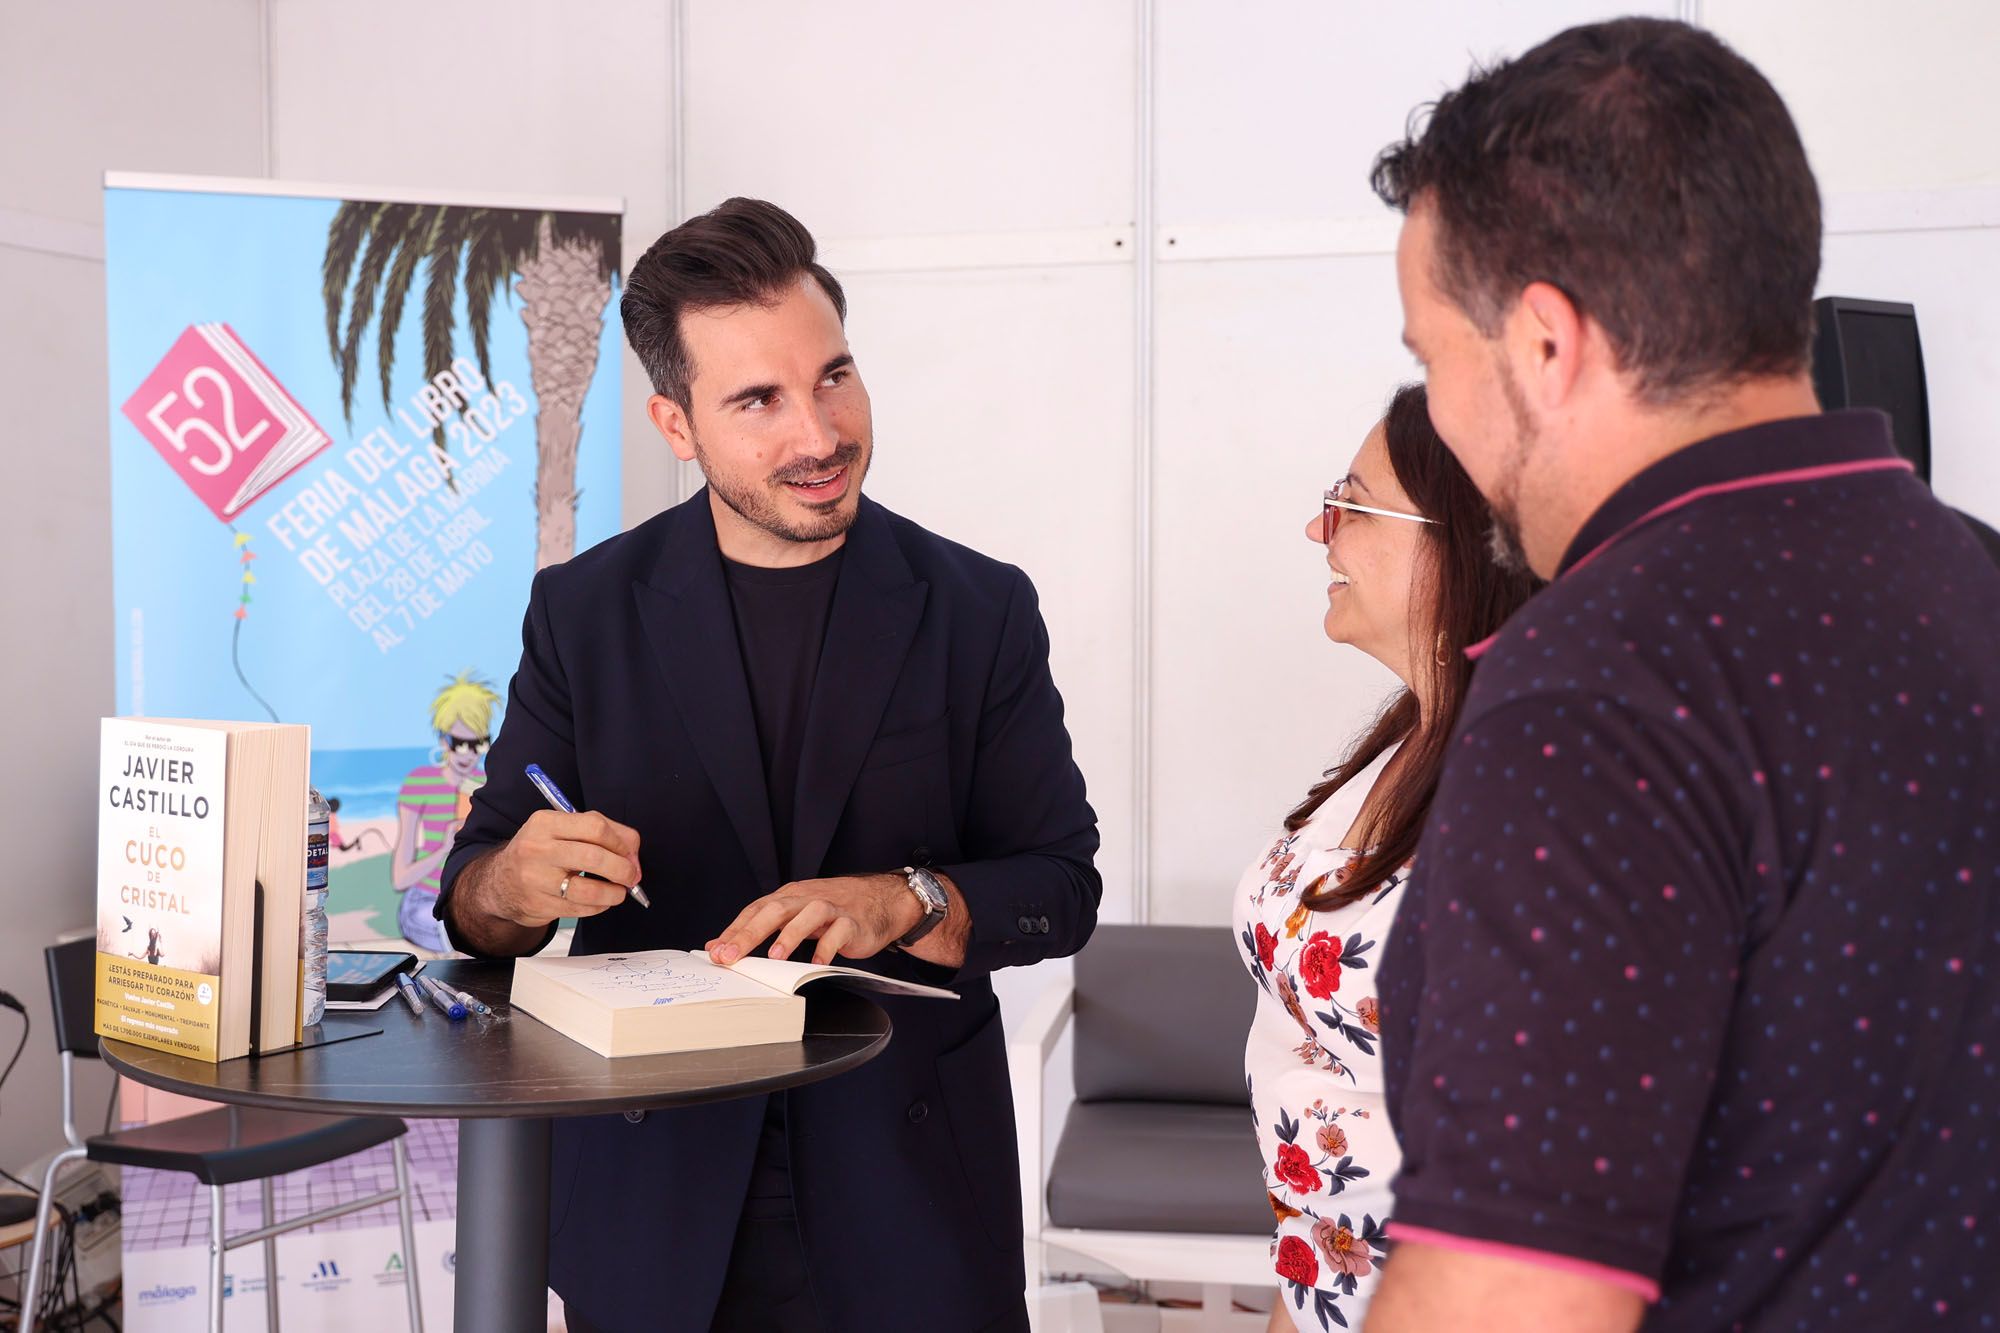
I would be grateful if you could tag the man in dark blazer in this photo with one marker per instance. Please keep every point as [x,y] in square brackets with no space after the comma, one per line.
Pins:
[799,722]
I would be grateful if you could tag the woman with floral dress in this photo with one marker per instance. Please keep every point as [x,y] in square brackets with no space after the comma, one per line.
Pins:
[1406,537]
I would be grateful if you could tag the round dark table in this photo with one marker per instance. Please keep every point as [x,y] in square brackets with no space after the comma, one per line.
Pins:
[503,1078]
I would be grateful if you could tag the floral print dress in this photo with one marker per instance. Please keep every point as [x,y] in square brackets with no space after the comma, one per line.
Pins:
[1315,1074]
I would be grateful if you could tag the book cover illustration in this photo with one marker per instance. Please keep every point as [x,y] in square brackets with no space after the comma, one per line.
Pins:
[159,884]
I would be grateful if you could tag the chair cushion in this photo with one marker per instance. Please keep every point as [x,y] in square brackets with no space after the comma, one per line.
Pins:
[1159,1166]
[1161,1015]
[240,1143]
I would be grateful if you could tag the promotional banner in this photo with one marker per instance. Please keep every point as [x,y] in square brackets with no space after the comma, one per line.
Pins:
[347,427]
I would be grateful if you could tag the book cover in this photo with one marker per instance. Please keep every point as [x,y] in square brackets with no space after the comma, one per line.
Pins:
[159,884]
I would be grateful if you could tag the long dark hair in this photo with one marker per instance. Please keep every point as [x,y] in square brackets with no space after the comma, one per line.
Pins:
[1469,597]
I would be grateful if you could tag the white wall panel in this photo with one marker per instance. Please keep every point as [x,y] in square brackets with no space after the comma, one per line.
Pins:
[885,118]
[1275,110]
[100,85]
[1003,421]
[1270,374]
[1887,97]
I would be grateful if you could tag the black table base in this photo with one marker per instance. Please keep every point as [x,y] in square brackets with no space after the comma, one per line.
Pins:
[503,1176]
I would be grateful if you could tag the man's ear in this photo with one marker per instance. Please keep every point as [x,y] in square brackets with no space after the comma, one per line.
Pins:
[671,420]
[1547,344]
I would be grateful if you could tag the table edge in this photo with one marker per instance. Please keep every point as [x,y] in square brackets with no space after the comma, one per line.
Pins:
[553,1109]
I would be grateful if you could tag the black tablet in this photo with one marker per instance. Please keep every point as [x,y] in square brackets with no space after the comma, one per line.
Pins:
[359,974]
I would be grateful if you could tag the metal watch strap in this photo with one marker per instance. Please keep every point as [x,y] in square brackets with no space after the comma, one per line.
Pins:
[932,895]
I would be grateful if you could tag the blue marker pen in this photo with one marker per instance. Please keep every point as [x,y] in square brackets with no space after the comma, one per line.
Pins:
[473,1005]
[442,998]
[408,990]
[553,795]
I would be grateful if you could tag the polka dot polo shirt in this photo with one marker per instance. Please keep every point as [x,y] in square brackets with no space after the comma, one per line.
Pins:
[1696,987]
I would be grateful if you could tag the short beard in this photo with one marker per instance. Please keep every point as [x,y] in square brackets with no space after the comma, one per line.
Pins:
[1503,545]
[757,507]
[1503,535]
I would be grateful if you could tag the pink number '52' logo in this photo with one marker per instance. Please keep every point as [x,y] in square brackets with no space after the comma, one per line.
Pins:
[221,420]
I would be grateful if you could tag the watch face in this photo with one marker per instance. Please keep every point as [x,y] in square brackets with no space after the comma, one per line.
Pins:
[929,890]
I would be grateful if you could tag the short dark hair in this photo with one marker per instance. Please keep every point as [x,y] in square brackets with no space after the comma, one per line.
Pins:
[1647,171]
[1465,597]
[743,252]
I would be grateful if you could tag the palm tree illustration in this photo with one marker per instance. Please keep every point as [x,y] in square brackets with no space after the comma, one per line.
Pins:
[561,266]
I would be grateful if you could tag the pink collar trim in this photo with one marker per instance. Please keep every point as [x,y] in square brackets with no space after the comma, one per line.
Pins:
[1473,652]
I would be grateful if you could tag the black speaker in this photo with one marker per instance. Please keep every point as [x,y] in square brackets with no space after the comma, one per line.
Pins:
[1867,354]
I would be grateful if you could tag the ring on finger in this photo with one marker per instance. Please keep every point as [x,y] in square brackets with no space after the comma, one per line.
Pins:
[562,889]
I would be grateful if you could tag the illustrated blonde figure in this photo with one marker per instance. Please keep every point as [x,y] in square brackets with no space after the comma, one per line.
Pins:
[434,801]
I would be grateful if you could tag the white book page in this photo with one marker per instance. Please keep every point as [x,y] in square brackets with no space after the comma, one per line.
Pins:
[651,977]
[785,975]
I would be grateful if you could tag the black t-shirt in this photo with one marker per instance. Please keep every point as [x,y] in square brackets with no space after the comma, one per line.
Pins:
[780,627]
[781,617]
[1697,981]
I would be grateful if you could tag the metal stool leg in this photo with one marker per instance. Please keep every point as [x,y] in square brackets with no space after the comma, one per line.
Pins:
[270,1262]
[215,1253]
[31,1294]
[406,1210]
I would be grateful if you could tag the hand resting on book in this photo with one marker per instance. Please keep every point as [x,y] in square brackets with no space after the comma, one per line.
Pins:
[854,916]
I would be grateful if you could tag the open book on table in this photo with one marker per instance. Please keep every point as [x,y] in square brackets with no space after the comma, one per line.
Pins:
[659,1001]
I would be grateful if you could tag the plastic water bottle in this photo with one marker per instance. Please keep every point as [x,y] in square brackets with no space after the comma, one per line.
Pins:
[312,927]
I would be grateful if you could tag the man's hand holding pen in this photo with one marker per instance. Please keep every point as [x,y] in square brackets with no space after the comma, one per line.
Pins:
[540,873]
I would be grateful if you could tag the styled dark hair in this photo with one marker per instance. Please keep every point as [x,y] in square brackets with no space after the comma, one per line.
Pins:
[1648,172]
[743,252]
[1462,597]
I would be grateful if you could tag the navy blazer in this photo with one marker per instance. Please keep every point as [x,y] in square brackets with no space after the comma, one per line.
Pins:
[935,735]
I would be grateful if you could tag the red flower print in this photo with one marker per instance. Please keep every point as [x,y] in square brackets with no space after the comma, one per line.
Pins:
[1345,1253]
[1319,965]
[1267,945]
[1296,1262]
[1295,1169]
[1369,1012]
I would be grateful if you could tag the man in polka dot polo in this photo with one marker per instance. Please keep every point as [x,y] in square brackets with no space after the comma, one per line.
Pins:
[1691,1019]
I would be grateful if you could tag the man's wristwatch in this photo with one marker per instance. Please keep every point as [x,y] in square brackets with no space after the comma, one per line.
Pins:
[932,895]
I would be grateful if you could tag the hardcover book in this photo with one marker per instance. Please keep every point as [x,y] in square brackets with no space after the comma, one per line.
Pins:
[201,851]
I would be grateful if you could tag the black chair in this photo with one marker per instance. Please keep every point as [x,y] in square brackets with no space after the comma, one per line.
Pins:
[221,1147]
